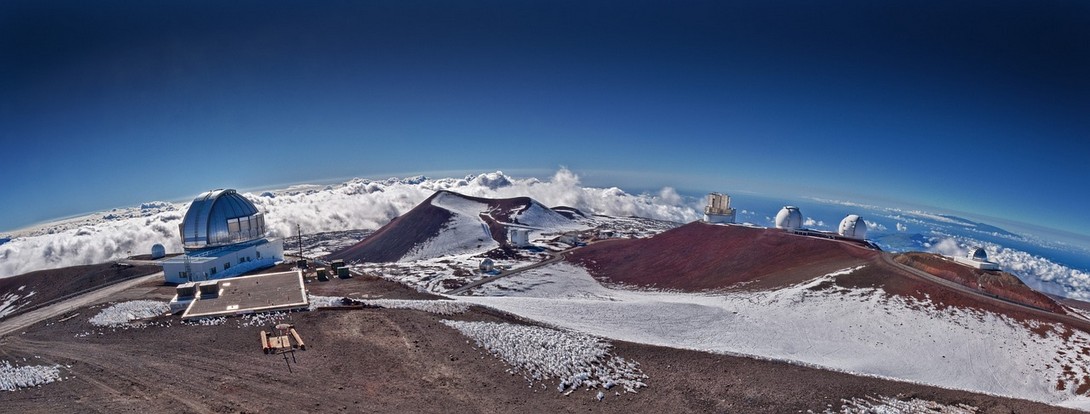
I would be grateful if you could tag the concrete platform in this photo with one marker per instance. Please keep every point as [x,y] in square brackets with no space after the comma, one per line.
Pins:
[251,294]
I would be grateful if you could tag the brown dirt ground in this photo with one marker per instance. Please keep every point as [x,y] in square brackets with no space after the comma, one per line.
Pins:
[386,360]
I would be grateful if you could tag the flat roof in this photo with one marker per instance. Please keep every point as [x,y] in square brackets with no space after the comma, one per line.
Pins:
[252,294]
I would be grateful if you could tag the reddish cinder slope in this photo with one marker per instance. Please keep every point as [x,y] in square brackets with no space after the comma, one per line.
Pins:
[699,256]
[398,237]
[997,283]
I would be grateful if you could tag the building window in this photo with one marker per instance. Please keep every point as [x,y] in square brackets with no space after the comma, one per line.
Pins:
[258,254]
[213,270]
[226,265]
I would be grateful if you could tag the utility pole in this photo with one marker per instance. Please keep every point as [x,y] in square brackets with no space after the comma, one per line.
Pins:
[299,232]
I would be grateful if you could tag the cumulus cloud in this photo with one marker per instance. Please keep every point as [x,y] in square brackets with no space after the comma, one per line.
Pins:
[810,222]
[355,204]
[874,225]
[901,227]
[949,247]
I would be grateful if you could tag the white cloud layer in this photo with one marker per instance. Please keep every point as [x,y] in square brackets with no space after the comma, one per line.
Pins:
[355,204]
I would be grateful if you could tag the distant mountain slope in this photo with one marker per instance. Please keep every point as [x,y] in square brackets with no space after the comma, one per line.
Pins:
[452,223]
[699,256]
[1001,284]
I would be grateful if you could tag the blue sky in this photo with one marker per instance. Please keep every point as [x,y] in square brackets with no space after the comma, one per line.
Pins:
[966,106]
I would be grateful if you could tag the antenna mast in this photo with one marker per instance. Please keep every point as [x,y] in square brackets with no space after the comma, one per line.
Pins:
[300,234]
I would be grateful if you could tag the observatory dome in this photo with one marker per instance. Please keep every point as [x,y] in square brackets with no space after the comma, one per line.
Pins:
[789,218]
[221,217]
[158,251]
[854,227]
[978,254]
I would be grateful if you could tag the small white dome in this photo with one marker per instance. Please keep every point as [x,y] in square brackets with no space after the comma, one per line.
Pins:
[158,251]
[789,218]
[978,254]
[854,227]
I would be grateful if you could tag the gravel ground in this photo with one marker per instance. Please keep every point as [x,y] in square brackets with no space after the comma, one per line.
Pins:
[396,360]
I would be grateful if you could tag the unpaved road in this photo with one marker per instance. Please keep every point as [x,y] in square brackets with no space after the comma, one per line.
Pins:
[18,322]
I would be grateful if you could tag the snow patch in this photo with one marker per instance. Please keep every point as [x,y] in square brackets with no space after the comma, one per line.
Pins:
[890,405]
[9,302]
[541,354]
[439,307]
[14,377]
[122,313]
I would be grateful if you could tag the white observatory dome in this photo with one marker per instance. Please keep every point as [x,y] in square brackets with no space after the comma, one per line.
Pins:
[789,218]
[978,254]
[158,251]
[854,227]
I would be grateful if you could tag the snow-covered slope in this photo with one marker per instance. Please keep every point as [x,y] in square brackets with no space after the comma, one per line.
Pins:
[463,233]
[820,323]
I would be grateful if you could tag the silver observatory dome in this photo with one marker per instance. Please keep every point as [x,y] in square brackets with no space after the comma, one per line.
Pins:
[220,218]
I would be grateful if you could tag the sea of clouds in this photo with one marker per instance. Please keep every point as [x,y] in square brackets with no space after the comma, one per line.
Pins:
[369,204]
[355,204]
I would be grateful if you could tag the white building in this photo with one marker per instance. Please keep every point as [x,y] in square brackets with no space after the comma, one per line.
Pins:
[518,237]
[789,218]
[853,227]
[570,239]
[718,209]
[977,259]
[224,235]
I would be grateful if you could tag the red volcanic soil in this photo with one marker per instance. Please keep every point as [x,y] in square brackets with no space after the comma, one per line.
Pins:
[391,242]
[55,284]
[699,256]
[1001,284]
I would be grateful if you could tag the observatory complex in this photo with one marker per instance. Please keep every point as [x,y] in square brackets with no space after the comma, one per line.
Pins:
[224,235]
[852,227]
[977,259]
[718,209]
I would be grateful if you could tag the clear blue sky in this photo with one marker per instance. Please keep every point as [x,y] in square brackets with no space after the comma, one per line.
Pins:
[981,107]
